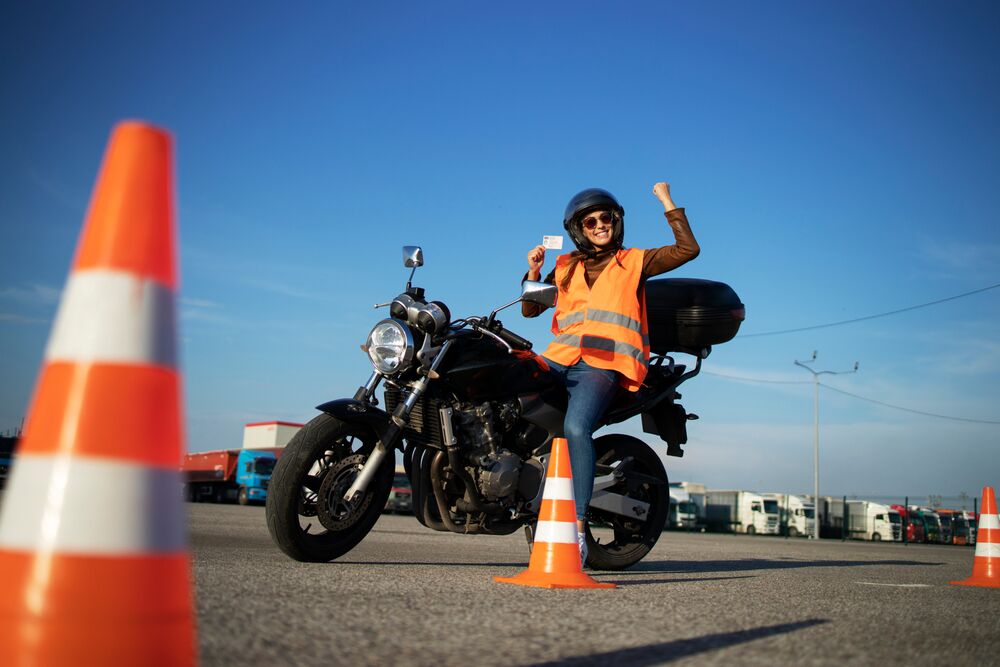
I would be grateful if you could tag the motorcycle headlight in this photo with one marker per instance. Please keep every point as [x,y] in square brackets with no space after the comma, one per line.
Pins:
[390,346]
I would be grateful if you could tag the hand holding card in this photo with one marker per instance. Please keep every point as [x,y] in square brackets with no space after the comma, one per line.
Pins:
[552,242]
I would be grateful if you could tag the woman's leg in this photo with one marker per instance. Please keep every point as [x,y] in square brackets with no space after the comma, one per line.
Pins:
[590,391]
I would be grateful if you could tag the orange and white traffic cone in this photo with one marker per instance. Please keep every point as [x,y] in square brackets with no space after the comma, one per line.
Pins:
[94,565]
[555,557]
[986,563]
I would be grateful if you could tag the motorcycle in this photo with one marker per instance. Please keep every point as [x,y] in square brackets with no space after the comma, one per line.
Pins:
[474,410]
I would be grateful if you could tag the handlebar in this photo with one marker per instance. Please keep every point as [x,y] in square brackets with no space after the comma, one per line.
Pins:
[512,339]
[495,329]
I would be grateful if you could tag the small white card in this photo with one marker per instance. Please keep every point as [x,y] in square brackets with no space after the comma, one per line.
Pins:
[552,242]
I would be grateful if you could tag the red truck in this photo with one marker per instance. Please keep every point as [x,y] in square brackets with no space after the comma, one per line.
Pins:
[229,474]
[914,524]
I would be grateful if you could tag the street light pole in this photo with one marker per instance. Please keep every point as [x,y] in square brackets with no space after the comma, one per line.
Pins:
[816,375]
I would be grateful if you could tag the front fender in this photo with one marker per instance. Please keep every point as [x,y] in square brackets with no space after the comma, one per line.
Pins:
[350,410]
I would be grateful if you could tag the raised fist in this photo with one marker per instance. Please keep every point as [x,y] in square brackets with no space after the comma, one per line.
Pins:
[662,191]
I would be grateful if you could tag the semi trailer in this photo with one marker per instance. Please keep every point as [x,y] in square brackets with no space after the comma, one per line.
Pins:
[797,514]
[741,512]
[873,521]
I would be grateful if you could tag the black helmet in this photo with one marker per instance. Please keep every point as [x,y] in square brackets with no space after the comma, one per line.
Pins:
[593,199]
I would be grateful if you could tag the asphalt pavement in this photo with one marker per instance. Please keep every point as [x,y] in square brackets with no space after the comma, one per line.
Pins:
[408,595]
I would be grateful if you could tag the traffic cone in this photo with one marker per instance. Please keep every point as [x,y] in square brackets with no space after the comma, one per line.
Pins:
[986,563]
[555,557]
[94,566]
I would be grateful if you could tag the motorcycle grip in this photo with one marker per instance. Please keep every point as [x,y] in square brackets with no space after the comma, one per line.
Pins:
[512,339]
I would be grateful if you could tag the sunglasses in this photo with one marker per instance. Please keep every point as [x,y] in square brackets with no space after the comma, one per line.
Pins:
[590,222]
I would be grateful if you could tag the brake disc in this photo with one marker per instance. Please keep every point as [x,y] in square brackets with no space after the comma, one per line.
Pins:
[332,510]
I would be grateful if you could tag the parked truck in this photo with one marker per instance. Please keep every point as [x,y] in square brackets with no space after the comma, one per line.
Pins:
[873,521]
[956,528]
[238,474]
[931,522]
[797,515]
[742,512]
[973,521]
[696,494]
[228,474]
[913,525]
[683,513]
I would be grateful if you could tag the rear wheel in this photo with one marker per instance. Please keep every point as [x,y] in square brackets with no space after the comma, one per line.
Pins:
[306,512]
[616,542]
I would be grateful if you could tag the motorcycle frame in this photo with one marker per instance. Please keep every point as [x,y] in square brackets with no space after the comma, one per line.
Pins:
[389,428]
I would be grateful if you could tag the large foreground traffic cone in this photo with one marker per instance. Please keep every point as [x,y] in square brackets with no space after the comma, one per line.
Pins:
[555,557]
[94,566]
[986,563]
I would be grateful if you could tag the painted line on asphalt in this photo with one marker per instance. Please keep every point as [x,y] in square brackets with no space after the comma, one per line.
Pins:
[873,583]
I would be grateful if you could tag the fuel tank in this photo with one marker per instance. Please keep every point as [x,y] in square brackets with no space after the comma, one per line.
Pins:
[478,368]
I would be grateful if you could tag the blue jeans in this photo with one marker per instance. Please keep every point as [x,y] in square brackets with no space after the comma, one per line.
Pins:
[590,390]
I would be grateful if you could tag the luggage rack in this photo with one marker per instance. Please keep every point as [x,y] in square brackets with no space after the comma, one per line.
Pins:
[628,405]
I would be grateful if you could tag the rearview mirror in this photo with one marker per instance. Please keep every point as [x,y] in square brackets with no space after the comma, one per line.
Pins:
[541,293]
[413,256]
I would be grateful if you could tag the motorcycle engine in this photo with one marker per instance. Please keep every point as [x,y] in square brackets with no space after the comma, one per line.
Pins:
[497,470]
[499,480]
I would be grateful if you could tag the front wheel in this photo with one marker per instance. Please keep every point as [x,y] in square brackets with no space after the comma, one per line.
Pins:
[244,497]
[306,512]
[616,542]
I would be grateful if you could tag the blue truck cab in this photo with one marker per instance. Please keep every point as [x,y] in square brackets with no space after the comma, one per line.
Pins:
[253,474]
[226,475]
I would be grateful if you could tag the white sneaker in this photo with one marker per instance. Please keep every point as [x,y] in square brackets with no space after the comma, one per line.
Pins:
[581,540]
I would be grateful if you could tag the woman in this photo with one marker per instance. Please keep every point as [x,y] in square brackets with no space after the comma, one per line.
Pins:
[601,339]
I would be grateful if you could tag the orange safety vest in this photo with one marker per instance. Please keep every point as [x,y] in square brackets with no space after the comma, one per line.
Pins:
[604,324]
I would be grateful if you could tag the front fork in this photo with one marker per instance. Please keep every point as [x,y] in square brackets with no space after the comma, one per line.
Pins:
[391,434]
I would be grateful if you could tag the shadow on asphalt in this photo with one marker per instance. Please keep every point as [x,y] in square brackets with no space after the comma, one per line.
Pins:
[665,566]
[657,654]
[745,564]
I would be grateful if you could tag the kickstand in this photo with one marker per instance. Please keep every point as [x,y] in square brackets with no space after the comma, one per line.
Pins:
[529,535]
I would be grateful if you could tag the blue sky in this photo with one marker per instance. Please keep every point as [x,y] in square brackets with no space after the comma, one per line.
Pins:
[836,160]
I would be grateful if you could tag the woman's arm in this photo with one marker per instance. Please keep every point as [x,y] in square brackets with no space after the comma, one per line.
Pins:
[536,257]
[685,248]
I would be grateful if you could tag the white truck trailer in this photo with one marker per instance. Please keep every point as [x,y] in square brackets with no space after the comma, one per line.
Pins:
[796,512]
[741,512]
[873,521]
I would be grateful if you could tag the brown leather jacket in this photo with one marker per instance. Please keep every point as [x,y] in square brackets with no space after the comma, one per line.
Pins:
[654,261]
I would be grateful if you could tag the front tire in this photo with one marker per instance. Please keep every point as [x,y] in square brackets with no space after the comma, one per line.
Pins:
[243,498]
[306,515]
[615,542]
